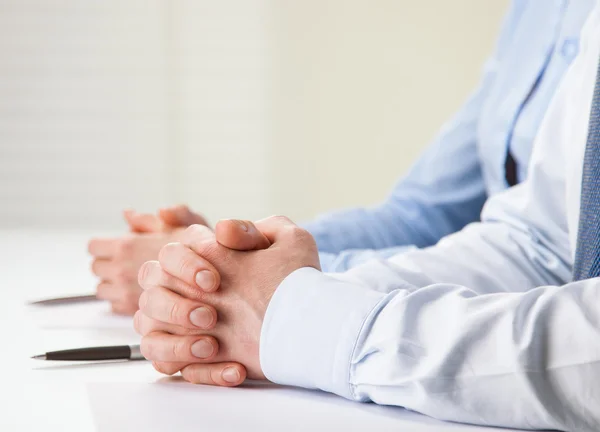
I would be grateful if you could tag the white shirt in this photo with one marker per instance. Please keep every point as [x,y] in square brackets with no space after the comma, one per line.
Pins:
[483,328]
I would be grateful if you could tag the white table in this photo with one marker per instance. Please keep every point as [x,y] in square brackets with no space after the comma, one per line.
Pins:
[118,396]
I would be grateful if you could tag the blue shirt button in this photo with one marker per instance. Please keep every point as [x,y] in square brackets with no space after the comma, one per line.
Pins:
[570,48]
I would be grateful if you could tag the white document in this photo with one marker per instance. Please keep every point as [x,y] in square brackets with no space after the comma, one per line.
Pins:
[174,405]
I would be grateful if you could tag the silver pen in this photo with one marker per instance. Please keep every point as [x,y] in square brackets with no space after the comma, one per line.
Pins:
[65,300]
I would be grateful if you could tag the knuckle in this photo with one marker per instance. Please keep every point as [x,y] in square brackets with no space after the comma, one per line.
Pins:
[280,218]
[137,326]
[189,231]
[215,346]
[209,250]
[201,374]
[297,234]
[171,369]
[166,368]
[181,261]
[187,266]
[143,300]
[185,331]
[193,232]
[198,236]
[125,247]
[116,308]
[147,347]
[159,367]
[174,312]
[123,275]
[144,325]
[144,272]
[167,251]
[130,309]
[97,267]
[180,350]
[214,375]
[198,230]
[101,288]
[189,374]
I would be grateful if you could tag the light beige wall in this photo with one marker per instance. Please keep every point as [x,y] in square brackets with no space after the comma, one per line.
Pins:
[115,104]
[83,110]
[362,86]
[242,108]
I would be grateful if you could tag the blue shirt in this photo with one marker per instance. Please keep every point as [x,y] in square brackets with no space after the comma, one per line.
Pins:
[485,327]
[447,187]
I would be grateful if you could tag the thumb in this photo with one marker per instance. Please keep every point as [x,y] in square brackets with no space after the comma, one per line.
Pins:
[240,235]
[142,222]
[180,216]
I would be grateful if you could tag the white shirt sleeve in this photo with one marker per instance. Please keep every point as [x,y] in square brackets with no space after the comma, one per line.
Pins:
[523,360]
[483,328]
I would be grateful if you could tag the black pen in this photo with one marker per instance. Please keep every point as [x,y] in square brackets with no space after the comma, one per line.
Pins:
[119,352]
[65,300]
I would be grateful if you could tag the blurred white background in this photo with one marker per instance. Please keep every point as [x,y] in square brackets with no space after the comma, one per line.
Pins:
[239,108]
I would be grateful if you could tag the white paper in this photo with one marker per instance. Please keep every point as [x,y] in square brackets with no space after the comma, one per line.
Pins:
[173,405]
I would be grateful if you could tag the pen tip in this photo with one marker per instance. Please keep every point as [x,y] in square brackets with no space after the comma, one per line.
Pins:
[39,357]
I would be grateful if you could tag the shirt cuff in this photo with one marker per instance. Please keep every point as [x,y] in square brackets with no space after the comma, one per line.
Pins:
[310,329]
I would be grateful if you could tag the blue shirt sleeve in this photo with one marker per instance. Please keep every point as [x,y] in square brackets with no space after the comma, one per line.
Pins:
[443,191]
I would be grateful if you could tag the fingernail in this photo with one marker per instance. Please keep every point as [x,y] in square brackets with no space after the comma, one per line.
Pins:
[201,317]
[231,375]
[242,225]
[202,349]
[205,280]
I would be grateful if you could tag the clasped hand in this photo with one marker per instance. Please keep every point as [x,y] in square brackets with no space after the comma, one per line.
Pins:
[116,261]
[211,332]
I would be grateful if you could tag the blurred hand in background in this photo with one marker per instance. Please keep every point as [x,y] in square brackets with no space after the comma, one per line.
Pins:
[118,260]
